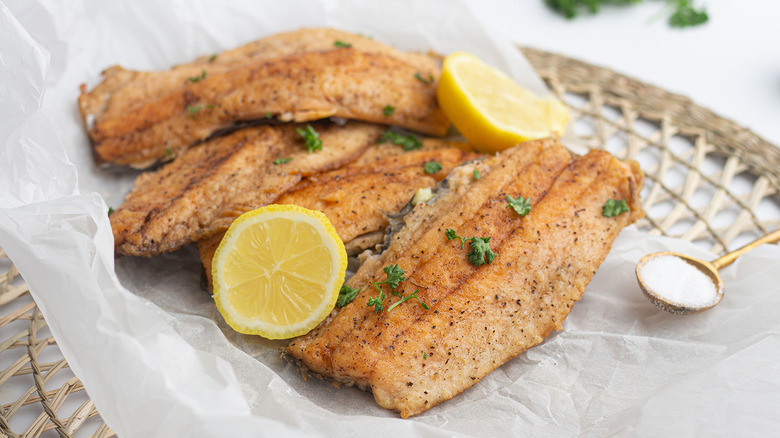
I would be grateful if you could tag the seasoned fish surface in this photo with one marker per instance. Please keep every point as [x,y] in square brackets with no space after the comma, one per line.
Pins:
[122,90]
[479,317]
[357,197]
[357,82]
[202,191]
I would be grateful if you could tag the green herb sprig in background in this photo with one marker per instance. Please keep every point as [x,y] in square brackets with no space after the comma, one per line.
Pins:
[684,13]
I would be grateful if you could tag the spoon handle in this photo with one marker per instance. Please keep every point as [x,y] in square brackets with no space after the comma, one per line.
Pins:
[729,258]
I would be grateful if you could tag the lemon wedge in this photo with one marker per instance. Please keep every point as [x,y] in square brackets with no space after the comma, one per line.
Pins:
[277,271]
[490,109]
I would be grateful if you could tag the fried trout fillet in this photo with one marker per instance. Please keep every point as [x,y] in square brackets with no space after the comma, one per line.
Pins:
[479,317]
[357,197]
[203,190]
[139,118]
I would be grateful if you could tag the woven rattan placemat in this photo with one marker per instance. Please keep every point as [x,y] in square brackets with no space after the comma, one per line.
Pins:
[709,181]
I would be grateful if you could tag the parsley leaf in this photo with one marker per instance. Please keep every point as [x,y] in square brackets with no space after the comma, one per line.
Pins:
[338,43]
[346,295]
[409,142]
[268,115]
[281,160]
[521,205]
[388,110]
[169,152]
[614,207]
[476,175]
[311,137]
[685,15]
[480,251]
[452,235]
[111,211]
[395,275]
[377,302]
[419,77]
[432,167]
[212,57]
[407,298]
[192,110]
[197,78]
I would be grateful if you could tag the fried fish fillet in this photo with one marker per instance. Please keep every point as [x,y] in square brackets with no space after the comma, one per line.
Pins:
[357,197]
[208,186]
[479,317]
[139,118]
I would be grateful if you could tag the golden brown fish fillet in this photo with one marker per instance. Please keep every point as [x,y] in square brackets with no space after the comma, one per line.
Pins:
[343,82]
[479,317]
[122,90]
[356,197]
[208,186]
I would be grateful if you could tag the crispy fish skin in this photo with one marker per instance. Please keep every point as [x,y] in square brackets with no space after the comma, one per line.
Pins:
[202,191]
[356,197]
[479,317]
[122,90]
[344,82]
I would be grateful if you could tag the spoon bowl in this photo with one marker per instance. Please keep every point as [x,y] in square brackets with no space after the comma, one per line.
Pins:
[672,306]
[709,269]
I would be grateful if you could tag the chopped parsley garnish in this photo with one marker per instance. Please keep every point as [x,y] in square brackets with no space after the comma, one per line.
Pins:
[388,110]
[395,275]
[425,356]
[282,160]
[192,110]
[452,235]
[476,175]
[419,77]
[346,295]
[268,115]
[212,57]
[197,78]
[614,207]
[338,43]
[110,210]
[408,297]
[432,167]
[521,205]
[409,142]
[377,302]
[168,152]
[311,137]
[480,251]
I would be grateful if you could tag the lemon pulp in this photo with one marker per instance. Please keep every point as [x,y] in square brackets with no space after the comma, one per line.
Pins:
[491,110]
[277,271]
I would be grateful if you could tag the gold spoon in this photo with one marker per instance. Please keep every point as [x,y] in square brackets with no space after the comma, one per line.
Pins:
[710,269]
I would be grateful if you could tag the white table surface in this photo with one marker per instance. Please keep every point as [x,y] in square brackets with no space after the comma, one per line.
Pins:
[730,65]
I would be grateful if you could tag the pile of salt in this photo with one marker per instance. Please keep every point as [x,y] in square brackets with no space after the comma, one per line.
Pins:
[678,282]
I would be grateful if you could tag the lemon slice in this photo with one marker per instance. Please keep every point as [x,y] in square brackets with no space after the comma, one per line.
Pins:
[278,270]
[490,109]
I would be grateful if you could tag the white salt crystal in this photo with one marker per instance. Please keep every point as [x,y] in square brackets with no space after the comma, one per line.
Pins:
[678,282]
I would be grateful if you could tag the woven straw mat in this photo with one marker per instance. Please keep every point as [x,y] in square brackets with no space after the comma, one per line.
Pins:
[709,181]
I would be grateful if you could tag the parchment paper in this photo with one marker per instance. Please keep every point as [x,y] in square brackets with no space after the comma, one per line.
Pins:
[158,360]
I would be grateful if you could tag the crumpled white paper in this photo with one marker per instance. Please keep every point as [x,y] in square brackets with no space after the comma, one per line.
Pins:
[158,360]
